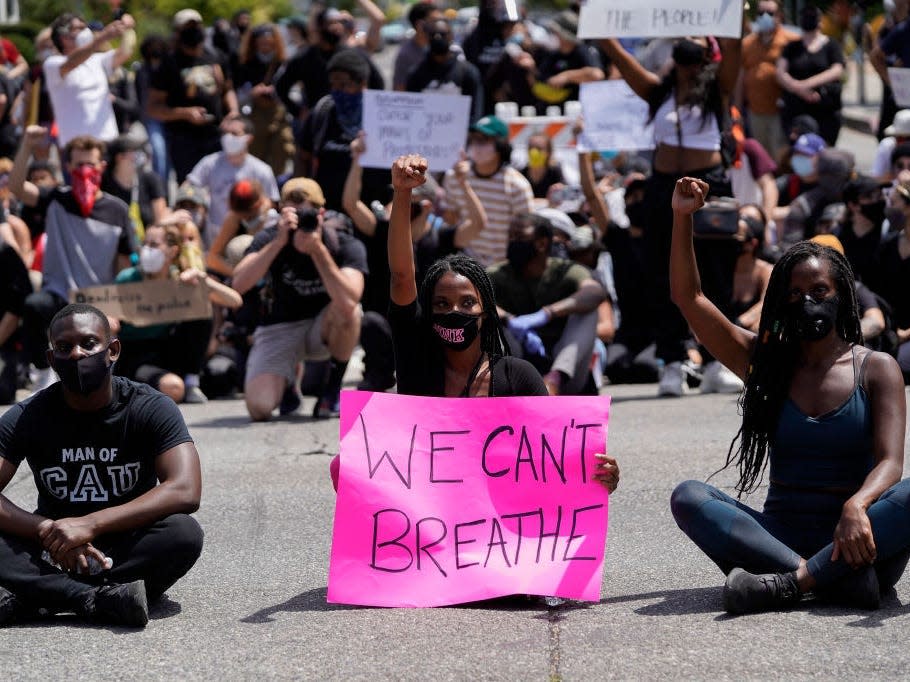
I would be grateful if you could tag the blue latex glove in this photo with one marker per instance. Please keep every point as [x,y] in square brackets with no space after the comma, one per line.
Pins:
[533,345]
[521,324]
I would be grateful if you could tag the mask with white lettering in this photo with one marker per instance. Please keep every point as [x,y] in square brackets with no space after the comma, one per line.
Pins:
[86,183]
[151,260]
[233,144]
[83,375]
[455,329]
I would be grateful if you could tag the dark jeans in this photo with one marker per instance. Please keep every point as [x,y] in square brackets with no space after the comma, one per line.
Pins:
[185,152]
[160,555]
[794,524]
[40,308]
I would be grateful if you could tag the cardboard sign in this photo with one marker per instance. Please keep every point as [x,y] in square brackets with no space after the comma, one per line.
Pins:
[660,18]
[450,500]
[396,123]
[615,118]
[146,303]
[900,86]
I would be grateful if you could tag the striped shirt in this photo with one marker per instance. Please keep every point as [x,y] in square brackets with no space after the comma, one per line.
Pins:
[503,195]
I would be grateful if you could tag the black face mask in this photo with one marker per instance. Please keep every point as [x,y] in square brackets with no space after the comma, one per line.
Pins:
[813,320]
[329,37]
[559,250]
[192,36]
[874,212]
[519,254]
[688,53]
[456,330]
[439,45]
[83,375]
[637,213]
[808,21]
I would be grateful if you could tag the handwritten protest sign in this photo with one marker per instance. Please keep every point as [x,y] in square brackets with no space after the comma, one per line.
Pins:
[145,303]
[432,125]
[900,86]
[446,500]
[660,18]
[615,118]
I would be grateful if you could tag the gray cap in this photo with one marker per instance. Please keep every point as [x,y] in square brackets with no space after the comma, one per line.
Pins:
[560,220]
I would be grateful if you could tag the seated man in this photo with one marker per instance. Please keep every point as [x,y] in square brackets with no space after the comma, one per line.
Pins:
[117,475]
[549,305]
[314,277]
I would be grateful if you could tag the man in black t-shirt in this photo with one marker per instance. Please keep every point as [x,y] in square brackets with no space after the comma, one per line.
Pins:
[15,285]
[561,71]
[314,276]
[192,93]
[117,476]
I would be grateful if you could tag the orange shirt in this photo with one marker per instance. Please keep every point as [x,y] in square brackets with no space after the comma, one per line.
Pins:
[759,62]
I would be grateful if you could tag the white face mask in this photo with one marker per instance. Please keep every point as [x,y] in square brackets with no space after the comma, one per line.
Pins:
[233,144]
[84,37]
[151,260]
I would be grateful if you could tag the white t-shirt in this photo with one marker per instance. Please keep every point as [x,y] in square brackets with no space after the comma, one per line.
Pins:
[81,101]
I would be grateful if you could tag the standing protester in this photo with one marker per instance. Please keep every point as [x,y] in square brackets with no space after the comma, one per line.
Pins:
[421,16]
[191,93]
[111,534]
[127,178]
[892,48]
[827,417]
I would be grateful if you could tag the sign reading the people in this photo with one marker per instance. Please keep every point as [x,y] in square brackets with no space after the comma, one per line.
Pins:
[429,124]
[900,86]
[660,18]
[146,303]
[615,118]
[452,500]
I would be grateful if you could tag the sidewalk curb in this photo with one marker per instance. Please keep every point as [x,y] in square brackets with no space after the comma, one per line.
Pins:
[863,119]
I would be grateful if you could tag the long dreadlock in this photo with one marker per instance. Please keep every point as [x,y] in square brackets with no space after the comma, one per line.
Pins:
[492,338]
[774,358]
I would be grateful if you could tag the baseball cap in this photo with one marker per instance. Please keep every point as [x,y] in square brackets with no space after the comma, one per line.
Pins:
[830,241]
[491,126]
[308,187]
[860,186]
[559,220]
[565,25]
[809,144]
[197,195]
[185,16]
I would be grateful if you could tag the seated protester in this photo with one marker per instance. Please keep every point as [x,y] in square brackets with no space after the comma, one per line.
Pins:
[314,277]
[543,170]
[169,357]
[503,191]
[861,229]
[752,273]
[13,229]
[192,257]
[803,163]
[548,305]
[898,134]
[217,173]
[801,125]
[823,414]
[249,211]
[43,175]
[441,71]
[190,205]
[830,219]
[834,168]
[107,539]
[89,237]
[127,178]
[900,161]
[15,285]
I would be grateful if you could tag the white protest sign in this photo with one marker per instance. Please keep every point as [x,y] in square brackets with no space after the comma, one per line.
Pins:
[660,18]
[432,125]
[900,86]
[615,118]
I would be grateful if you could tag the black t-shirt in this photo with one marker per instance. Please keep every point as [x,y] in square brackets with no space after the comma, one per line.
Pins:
[630,267]
[293,288]
[552,175]
[453,76]
[860,251]
[553,62]
[34,216]
[802,64]
[420,364]
[892,279]
[14,285]
[192,81]
[148,188]
[86,461]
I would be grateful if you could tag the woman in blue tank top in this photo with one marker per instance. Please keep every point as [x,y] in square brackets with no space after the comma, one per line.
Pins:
[824,415]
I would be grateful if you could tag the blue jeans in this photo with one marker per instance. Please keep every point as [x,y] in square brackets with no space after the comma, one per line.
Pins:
[794,524]
[160,160]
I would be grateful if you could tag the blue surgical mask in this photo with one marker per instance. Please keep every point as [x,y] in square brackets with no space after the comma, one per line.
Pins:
[349,110]
[764,23]
[802,165]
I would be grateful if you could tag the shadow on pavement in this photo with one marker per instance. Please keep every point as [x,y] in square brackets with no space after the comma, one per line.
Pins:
[312,600]
[674,602]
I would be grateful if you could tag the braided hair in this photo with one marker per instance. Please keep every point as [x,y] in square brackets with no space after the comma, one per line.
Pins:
[492,338]
[775,355]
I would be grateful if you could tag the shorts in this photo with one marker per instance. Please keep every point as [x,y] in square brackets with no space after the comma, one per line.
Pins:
[277,348]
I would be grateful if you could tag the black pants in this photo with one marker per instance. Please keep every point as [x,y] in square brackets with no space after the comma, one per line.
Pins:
[376,340]
[185,152]
[181,352]
[40,308]
[714,264]
[160,555]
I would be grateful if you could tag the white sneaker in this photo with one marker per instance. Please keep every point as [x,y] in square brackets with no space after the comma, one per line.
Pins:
[719,379]
[671,380]
[42,378]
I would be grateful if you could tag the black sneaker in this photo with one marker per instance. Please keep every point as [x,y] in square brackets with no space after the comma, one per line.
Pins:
[290,401]
[859,590]
[746,592]
[122,604]
[9,606]
[327,408]
[376,382]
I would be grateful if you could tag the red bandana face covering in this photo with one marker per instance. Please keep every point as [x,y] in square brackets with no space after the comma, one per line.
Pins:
[86,182]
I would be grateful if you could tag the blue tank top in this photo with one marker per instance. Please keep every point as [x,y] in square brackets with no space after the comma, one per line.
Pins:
[830,451]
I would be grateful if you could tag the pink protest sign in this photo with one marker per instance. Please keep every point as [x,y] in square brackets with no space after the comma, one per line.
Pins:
[451,500]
